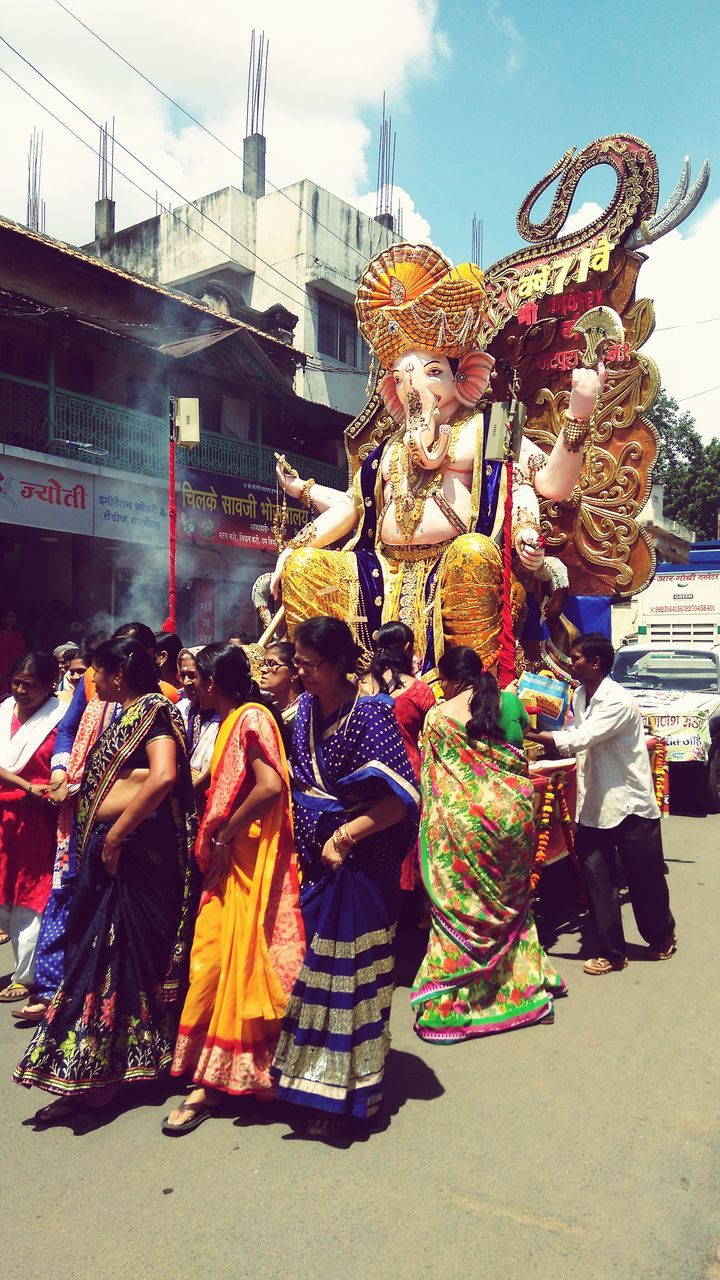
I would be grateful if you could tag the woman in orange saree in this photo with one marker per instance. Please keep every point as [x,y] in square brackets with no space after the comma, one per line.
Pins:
[249,943]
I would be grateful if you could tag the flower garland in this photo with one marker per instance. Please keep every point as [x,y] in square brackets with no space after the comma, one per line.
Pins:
[543,832]
[660,772]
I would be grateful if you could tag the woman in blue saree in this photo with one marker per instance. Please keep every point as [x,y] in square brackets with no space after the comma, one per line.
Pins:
[355,808]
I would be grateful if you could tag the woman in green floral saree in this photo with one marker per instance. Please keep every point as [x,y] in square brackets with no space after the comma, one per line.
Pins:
[484,970]
[114,1017]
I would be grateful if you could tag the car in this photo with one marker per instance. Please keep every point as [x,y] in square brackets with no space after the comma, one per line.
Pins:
[678,692]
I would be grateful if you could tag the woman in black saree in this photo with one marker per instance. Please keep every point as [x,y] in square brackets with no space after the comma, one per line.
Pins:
[114,1018]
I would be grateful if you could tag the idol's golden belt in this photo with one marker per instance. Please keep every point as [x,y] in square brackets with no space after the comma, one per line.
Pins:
[409,555]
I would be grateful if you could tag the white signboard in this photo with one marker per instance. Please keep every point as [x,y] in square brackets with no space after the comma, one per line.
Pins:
[41,495]
[52,495]
[692,593]
[129,511]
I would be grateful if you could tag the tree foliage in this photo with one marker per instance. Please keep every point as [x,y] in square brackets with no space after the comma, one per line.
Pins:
[689,469]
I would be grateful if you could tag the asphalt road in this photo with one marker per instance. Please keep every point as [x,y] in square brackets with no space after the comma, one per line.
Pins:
[583,1149]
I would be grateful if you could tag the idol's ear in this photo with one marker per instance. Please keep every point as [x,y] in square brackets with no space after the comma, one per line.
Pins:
[473,376]
[390,397]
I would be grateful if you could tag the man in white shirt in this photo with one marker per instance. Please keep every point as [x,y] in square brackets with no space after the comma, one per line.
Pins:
[617,813]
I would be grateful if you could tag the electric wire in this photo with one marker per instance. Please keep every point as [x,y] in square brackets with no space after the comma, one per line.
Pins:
[190,203]
[188,114]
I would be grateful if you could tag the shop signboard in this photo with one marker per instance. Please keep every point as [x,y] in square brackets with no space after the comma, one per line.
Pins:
[45,495]
[226,511]
[130,511]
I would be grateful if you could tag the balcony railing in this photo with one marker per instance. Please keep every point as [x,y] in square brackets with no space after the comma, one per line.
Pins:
[82,428]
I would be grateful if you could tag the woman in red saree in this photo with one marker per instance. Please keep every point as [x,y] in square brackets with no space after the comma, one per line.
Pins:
[28,724]
[249,943]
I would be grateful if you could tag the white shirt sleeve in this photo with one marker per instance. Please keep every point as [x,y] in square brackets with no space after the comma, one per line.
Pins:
[606,720]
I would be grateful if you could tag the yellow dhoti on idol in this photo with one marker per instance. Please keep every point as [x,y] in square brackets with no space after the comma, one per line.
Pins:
[463,605]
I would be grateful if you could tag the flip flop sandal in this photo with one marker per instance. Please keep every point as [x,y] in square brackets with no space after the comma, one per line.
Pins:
[13,992]
[599,966]
[30,1018]
[4,937]
[325,1128]
[665,953]
[57,1111]
[198,1116]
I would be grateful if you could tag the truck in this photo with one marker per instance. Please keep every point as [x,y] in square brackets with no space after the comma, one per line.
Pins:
[680,607]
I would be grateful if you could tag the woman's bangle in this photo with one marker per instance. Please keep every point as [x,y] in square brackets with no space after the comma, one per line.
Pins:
[342,838]
[30,790]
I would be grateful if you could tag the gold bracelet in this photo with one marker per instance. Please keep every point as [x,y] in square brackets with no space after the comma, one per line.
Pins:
[305,494]
[304,537]
[524,519]
[575,432]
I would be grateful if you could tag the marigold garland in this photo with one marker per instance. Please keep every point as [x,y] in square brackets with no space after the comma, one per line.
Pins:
[660,772]
[543,832]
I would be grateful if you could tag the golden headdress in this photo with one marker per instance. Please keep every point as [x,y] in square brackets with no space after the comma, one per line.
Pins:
[412,298]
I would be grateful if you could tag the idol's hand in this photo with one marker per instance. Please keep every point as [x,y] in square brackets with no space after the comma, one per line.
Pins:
[287,477]
[587,385]
[530,550]
[277,572]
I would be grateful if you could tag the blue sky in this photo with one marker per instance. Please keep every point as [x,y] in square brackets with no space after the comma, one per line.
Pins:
[524,81]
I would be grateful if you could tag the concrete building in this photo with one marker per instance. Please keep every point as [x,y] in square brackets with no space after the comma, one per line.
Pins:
[247,251]
[672,540]
[89,358]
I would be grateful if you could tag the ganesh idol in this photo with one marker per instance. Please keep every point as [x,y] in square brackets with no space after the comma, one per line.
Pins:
[421,524]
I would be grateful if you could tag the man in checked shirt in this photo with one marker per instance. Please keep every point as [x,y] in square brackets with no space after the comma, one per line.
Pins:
[617,813]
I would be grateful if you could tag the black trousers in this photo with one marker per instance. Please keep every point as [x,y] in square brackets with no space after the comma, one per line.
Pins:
[637,842]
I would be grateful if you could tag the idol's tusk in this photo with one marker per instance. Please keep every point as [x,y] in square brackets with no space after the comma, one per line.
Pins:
[681,204]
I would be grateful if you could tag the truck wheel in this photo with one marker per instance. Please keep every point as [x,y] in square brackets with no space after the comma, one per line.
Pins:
[713,780]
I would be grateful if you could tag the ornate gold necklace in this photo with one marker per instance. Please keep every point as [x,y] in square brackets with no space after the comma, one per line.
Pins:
[411,486]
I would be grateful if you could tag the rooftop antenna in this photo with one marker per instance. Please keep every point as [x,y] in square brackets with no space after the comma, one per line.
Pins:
[399,220]
[35,208]
[106,162]
[476,252]
[385,172]
[255,145]
[105,204]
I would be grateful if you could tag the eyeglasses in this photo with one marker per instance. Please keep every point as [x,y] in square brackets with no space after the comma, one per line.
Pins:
[302,664]
[273,666]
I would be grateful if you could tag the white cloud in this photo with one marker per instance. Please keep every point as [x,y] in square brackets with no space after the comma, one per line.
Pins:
[682,274]
[415,228]
[507,28]
[325,75]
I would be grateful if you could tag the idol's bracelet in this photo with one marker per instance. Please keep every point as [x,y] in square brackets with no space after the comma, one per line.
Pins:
[575,432]
[525,521]
[304,538]
[305,492]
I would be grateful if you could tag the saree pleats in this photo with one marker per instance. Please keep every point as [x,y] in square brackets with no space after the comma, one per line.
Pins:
[335,1035]
[249,941]
[484,970]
